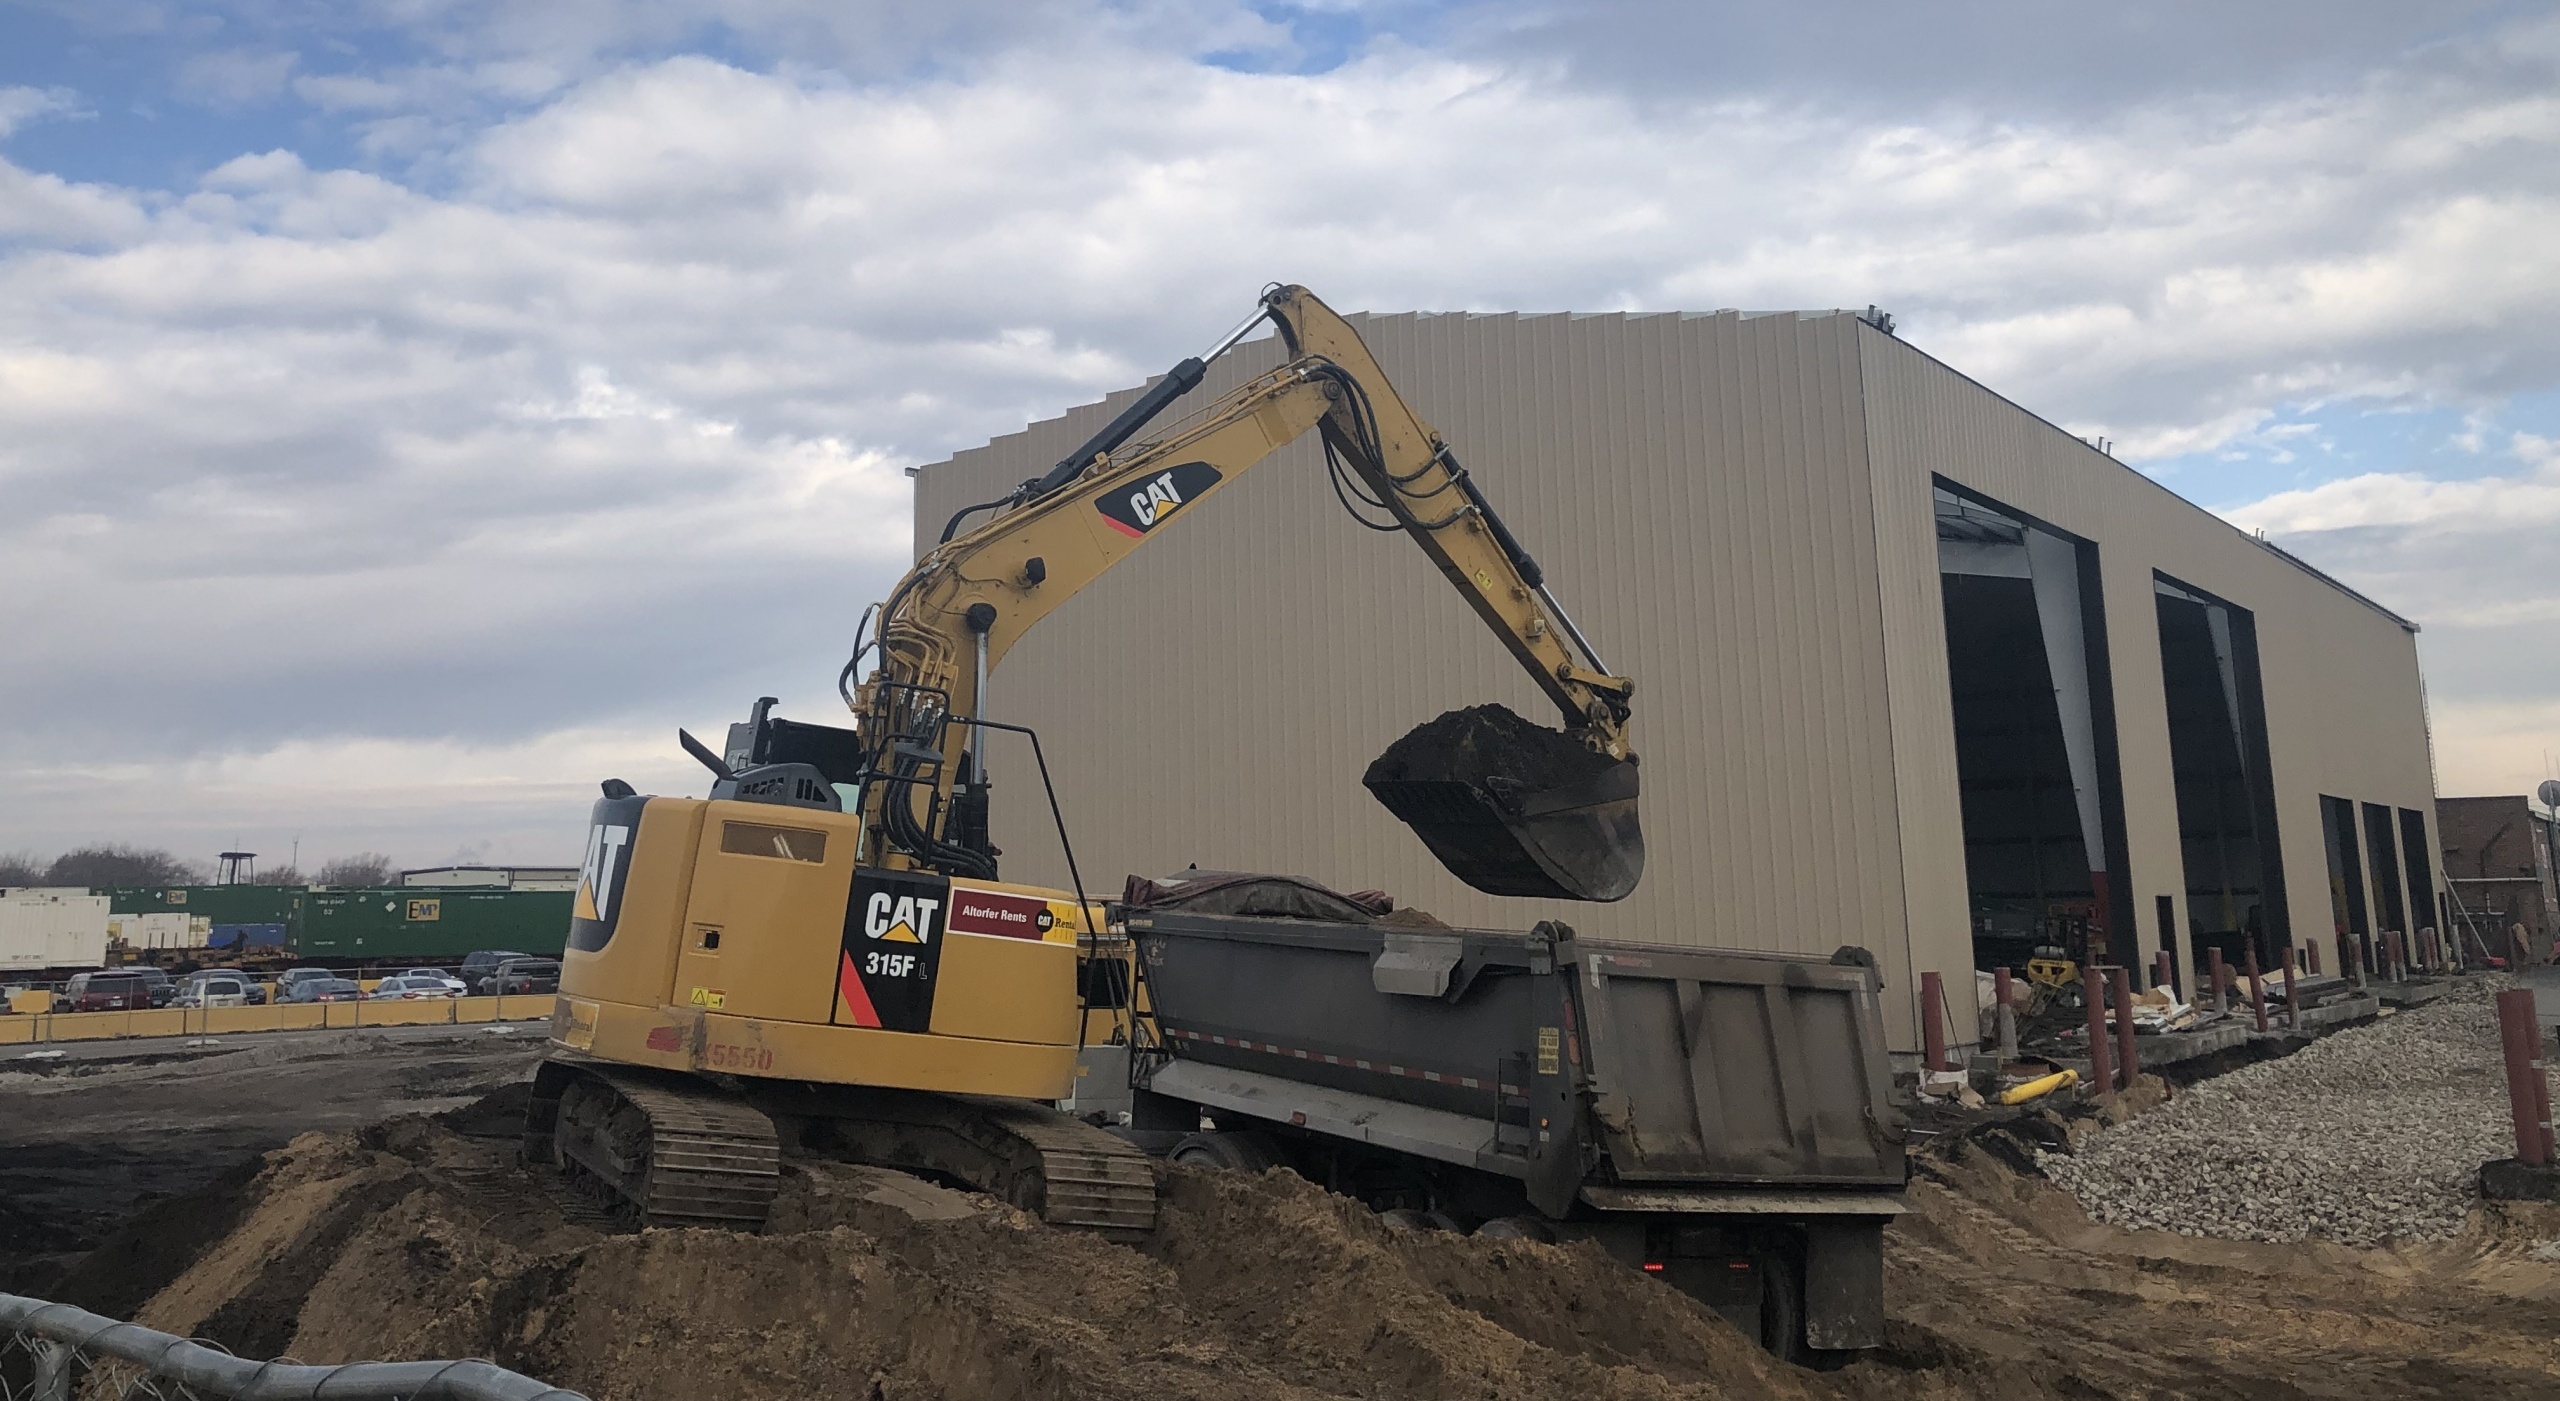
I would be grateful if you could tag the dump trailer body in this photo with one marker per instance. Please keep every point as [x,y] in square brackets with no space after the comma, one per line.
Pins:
[1638,1095]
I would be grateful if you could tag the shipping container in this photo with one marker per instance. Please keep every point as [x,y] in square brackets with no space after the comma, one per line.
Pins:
[52,929]
[403,923]
[218,904]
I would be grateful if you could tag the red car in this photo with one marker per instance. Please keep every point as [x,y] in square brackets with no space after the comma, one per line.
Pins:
[105,992]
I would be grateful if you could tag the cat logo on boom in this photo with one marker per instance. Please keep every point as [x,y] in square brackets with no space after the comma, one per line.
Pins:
[1135,511]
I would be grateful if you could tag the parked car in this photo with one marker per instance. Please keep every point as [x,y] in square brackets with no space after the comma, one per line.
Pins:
[250,987]
[480,963]
[459,986]
[521,975]
[286,982]
[412,989]
[329,989]
[164,990]
[214,990]
[119,991]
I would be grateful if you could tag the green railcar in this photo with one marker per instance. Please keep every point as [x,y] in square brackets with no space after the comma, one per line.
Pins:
[222,904]
[430,924]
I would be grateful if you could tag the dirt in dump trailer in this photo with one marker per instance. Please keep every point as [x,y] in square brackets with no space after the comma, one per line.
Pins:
[419,1237]
[1485,741]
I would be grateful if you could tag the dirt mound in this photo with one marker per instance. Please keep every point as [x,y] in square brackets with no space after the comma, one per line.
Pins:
[422,1238]
[1488,741]
[413,1240]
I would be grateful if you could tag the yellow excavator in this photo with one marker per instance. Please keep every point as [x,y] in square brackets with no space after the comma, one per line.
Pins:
[821,952]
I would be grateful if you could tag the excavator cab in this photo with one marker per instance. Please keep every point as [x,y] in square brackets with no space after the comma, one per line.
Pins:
[1514,808]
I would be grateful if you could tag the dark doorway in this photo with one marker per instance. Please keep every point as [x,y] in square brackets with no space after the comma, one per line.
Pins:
[2393,913]
[2346,879]
[2034,732]
[2423,909]
[2217,756]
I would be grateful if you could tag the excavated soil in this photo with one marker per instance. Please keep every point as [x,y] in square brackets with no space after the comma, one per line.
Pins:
[419,1237]
[1486,741]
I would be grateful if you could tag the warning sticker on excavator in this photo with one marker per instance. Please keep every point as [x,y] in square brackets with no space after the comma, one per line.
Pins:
[893,927]
[1550,1041]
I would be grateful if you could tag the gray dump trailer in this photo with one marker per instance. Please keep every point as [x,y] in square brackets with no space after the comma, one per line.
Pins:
[1719,1119]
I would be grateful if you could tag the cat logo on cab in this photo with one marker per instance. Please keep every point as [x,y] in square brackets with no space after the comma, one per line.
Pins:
[893,926]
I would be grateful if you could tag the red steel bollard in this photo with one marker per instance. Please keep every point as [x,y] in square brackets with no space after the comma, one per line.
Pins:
[2311,955]
[2093,995]
[2292,1000]
[2125,1070]
[2221,973]
[1933,1020]
[2528,1093]
[2164,972]
[2257,990]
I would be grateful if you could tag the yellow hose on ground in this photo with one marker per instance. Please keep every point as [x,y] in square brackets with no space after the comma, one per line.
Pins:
[2038,1089]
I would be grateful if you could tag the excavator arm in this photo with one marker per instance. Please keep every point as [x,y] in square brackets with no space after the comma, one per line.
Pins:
[1513,809]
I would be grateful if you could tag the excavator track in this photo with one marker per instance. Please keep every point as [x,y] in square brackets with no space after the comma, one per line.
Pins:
[676,1150]
[671,1149]
[1061,1169]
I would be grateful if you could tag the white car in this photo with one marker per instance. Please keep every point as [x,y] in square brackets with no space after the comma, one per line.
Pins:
[215,991]
[410,988]
[437,973]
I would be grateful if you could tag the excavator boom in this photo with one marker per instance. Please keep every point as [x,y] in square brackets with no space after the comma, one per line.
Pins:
[1509,807]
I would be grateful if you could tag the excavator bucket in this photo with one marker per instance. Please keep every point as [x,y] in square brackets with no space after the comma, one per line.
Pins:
[1514,808]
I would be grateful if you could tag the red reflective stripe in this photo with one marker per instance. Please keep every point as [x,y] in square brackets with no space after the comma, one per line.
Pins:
[857,1000]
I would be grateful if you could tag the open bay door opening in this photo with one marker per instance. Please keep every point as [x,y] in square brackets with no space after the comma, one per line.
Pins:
[2034,745]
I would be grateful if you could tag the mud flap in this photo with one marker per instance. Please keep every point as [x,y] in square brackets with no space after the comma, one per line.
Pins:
[1844,1282]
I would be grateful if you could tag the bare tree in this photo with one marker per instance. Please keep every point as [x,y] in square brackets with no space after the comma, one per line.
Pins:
[21,868]
[365,868]
[279,875]
[118,865]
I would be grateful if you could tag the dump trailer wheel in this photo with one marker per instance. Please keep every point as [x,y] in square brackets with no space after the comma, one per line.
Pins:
[1780,1263]
[1405,1218]
[1518,1228]
[1237,1151]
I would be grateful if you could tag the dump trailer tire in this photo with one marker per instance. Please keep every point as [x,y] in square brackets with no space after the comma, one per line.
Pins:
[1528,1228]
[1233,1151]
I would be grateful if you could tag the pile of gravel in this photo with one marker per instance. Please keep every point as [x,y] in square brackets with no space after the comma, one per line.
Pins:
[2367,1136]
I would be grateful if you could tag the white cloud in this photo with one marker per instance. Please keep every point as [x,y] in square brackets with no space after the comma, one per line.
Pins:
[594,418]
[21,105]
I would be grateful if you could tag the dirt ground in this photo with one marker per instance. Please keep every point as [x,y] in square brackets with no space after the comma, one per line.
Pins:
[417,1236]
[101,1132]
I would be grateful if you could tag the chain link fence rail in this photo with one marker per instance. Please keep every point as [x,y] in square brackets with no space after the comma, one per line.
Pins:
[54,1352]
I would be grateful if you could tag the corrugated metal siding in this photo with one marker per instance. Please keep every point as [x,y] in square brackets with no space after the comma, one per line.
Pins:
[1737,509]
[1697,489]
[2345,712]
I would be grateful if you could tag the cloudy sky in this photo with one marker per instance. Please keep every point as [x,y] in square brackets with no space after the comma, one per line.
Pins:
[412,410]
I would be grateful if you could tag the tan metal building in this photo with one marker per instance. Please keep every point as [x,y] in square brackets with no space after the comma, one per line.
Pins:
[1900,648]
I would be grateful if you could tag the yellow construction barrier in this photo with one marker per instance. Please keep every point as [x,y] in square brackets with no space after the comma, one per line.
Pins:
[436,1013]
[32,1001]
[33,1029]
